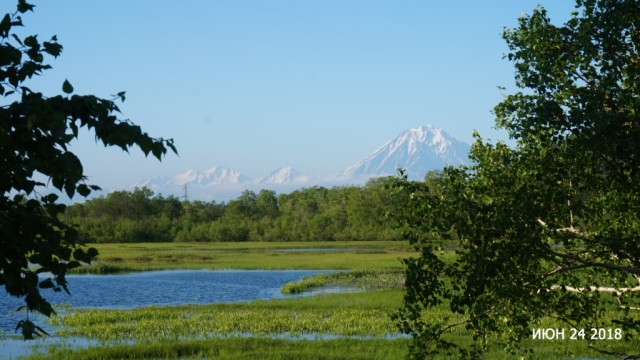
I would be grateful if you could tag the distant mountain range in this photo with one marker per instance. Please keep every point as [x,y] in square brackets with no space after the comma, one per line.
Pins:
[416,150]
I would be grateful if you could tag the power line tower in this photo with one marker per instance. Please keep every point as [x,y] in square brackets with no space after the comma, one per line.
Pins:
[186,195]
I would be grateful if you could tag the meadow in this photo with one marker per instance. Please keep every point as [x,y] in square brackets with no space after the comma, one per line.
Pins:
[350,325]
[331,255]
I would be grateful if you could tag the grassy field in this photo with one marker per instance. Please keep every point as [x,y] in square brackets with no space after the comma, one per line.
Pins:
[257,255]
[331,326]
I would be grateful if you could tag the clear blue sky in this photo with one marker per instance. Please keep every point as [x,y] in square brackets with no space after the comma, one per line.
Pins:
[255,84]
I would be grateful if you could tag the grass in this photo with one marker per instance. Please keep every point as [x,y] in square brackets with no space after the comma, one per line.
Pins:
[366,314]
[244,349]
[255,255]
[330,326]
[358,279]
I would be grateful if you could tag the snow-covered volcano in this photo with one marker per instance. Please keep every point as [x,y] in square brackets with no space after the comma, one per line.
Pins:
[217,175]
[416,150]
[221,183]
[285,175]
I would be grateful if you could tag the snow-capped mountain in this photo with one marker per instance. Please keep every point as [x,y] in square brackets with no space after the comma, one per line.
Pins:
[416,150]
[222,183]
[285,175]
[217,175]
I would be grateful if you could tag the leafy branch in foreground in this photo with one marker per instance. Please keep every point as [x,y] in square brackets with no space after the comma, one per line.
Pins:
[35,131]
[549,228]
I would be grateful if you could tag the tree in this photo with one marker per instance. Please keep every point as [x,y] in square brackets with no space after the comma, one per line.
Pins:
[35,131]
[267,204]
[549,229]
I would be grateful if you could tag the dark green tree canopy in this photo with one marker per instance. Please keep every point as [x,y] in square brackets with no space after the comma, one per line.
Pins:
[549,229]
[35,133]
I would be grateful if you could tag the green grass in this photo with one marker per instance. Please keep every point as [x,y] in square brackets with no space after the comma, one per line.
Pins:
[357,279]
[330,326]
[363,314]
[222,330]
[267,348]
[243,349]
[256,328]
[254,255]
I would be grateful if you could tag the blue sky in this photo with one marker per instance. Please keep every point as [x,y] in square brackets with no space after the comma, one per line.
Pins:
[254,84]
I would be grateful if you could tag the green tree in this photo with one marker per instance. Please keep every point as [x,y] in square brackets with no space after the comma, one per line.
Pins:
[35,132]
[244,206]
[549,228]
[267,204]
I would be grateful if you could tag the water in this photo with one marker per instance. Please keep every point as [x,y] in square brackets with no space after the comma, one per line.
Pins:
[324,249]
[168,287]
[125,291]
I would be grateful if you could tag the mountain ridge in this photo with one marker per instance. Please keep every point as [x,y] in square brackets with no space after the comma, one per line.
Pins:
[416,150]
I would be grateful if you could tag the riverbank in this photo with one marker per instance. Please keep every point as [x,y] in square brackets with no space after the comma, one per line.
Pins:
[355,325]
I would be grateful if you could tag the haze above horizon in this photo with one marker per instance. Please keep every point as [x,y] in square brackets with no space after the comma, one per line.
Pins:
[255,85]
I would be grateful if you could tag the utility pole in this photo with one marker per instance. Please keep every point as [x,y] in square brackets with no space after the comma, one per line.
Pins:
[185,196]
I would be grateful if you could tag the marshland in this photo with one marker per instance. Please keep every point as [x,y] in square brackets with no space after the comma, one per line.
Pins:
[346,313]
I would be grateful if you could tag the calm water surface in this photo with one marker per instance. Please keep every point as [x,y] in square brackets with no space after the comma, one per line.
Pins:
[169,287]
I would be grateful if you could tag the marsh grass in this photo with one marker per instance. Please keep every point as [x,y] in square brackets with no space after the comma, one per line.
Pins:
[273,329]
[333,326]
[363,314]
[243,349]
[254,255]
[250,348]
[369,279]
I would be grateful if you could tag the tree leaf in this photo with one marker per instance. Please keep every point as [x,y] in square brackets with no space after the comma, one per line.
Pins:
[23,6]
[66,87]
[52,48]
[47,284]
[84,190]
[36,132]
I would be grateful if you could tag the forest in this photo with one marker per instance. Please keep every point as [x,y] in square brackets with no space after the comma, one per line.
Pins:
[309,214]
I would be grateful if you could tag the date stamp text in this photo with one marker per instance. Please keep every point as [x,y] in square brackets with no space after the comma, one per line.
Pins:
[577,334]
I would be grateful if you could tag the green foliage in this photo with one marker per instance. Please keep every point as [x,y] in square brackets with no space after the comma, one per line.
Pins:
[136,216]
[550,227]
[35,131]
[311,214]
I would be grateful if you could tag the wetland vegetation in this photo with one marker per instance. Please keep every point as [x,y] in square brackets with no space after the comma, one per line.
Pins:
[355,255]
[359,323]
[350,325]
[547,227]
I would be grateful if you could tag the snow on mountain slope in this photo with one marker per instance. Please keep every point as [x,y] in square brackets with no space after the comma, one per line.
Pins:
[416,150]
[217,175]
[221,183]
[284,175]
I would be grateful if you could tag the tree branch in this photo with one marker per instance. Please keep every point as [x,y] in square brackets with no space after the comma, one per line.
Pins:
[625,269]
[569,229]
[624,355]
[557,270]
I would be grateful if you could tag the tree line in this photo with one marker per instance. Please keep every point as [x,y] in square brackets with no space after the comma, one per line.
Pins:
[310,214]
